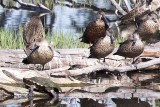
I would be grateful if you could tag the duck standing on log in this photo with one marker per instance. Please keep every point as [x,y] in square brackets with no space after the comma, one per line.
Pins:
[103,46]
[131,48]
[95,29]
[41,53]
[38,49]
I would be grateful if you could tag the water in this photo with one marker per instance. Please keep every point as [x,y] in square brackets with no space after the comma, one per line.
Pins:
[64,19]
[87,102]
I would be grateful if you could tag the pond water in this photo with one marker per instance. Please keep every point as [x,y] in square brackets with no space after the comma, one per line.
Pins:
[63,19]
[84,102]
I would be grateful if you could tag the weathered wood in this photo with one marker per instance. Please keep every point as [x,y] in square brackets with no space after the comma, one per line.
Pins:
[118,93]
[27,6]
[100,67]
[67,57]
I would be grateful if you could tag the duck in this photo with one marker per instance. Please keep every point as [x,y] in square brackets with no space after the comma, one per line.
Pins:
[95,29]
[41,53]
[148,27]
[33,30]
[103,46]
[136,13]
[131,48]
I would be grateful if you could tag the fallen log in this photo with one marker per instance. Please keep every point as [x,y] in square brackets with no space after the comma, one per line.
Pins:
[108,68]
[27,6]
[121,92]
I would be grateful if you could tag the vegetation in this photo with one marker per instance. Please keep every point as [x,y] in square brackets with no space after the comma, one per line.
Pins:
[9,39]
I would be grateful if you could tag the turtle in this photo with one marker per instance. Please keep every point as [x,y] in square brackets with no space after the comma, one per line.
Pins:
[44,85]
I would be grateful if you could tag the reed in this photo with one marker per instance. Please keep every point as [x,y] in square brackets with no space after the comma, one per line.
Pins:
[9,39]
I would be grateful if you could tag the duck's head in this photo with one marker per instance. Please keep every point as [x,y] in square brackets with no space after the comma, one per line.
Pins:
[102,16]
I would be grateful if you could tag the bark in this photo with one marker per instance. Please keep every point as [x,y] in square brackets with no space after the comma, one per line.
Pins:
[108,68]
[118,93]
[26,6]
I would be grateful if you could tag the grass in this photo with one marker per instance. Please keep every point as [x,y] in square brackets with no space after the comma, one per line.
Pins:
[10,40]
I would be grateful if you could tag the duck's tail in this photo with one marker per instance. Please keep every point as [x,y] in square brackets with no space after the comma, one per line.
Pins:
[25,61]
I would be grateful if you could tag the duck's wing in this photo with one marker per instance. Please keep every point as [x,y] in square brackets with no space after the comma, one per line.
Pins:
[32,30]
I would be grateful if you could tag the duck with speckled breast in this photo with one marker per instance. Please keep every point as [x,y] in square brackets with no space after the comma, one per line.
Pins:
[95,29]
[37,48]
[131,48]
[103,46]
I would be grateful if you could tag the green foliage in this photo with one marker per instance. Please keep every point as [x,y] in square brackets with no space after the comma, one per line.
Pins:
[10,40]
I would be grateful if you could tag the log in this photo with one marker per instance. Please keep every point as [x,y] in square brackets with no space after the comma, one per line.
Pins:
[121,92]
[27,6]
[68,57]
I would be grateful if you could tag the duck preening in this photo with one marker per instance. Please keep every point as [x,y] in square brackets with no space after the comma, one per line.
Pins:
[41,53]
[37,48]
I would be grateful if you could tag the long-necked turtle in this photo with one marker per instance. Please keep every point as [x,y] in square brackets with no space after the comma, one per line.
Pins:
[43,85]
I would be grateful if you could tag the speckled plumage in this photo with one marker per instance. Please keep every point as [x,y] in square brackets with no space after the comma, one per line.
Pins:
[42,53]
[95,29]
[148,27]
[102,47]
[137,12]
[129,49]
[32,30]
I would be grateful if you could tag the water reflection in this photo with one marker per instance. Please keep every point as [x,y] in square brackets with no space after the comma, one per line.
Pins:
[87,102]
[65,19]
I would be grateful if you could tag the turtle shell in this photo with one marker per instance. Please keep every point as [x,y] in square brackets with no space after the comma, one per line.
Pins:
[42,84]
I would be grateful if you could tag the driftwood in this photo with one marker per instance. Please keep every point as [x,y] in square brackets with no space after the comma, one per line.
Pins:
[27,6]
[118,93]
[64,58]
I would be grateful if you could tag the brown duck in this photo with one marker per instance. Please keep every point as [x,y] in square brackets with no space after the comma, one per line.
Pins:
[131,48]
[136,13]
[102,47]
[33,30]
[148,27]
[41,53]
[95,29]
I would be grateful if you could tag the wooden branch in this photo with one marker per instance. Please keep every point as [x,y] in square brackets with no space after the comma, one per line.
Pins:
[99,67]
[128,5]
[28,6]
[121,92]
[118,7]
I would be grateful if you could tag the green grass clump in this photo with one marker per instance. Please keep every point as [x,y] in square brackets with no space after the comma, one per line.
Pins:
[9,39]
[65,40]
